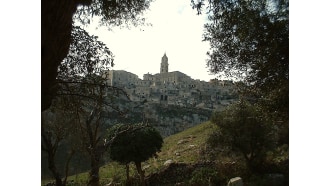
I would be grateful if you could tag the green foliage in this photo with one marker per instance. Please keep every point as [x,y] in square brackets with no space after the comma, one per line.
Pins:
[189,156]
[229,168]
[249,38]
[57,148]
[113,12]
[135,146]
[87,55]
[196,135]
[243,129]
[204,176]
[58,18]
[82,103]
[277,160]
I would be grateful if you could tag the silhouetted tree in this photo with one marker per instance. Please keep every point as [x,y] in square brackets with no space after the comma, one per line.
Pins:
[56,131]
[82,94]
[137,147]
[249,40]
[89,103]
[87,55]
[244,129]
[56,27]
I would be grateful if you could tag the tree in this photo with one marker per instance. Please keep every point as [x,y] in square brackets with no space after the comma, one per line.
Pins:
[87,55]
[137,147]
[81,118]
[82,73]
[90,105]
[56,131]
[82,94]
[249,40]
[56,27]
[243,129]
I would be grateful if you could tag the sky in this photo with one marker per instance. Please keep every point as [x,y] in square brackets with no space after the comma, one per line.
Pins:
[176,30]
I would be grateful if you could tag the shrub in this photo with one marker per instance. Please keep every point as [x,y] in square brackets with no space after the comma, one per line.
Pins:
[204,176]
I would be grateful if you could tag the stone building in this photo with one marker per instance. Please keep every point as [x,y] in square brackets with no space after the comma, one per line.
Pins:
[174,88]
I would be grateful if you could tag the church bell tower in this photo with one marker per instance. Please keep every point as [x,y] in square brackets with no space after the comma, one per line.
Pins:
[164,64]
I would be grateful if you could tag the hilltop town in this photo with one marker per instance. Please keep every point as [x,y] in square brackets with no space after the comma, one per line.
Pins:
[173,88]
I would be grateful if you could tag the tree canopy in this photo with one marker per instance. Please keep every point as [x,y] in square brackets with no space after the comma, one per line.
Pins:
[249,41]
[82,94]
[244,129]
[87,55]
[136,146]
[56,27]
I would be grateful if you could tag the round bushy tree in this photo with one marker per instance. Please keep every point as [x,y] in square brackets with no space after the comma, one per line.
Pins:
[135,146]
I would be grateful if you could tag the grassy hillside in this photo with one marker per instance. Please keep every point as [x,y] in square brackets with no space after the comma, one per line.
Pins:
[190,165]
[183,147]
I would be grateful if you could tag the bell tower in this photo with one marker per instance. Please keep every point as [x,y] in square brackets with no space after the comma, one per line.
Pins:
[164,64]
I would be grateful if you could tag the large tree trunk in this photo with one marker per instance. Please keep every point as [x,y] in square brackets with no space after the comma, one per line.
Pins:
[56,27]
[141,172]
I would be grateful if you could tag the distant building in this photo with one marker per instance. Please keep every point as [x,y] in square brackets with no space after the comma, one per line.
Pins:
[174,88]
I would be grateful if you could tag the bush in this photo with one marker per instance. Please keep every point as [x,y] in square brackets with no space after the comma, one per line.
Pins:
[204,176]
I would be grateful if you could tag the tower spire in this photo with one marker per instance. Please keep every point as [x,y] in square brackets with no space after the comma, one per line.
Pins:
[164,64]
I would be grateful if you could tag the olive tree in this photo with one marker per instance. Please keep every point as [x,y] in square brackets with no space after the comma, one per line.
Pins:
[249,41]
[243,129]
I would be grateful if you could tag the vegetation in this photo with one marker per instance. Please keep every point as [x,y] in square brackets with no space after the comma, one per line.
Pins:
[78,105]
[137,147]
[203,176]
[85,121]
[116,172]
[55,130]
[243,129]
[56,27]
[249,42]
[87,55]
[194,164]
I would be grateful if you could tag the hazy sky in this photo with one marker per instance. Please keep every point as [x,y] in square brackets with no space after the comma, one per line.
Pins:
[176,30]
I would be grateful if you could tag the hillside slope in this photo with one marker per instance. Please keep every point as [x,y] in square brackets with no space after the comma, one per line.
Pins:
[182,161]
[183,147]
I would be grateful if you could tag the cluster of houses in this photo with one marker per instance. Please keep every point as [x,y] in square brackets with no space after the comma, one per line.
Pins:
[173,88]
